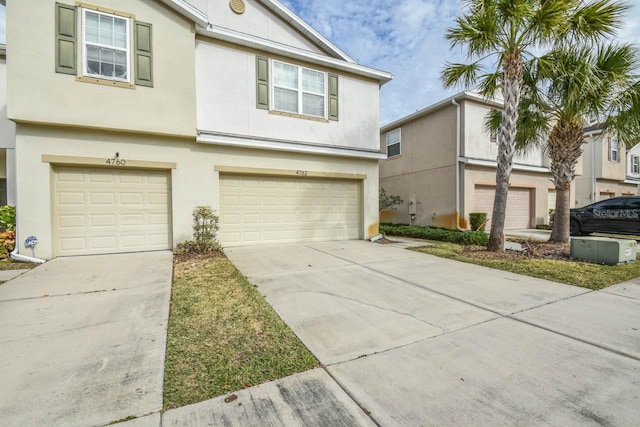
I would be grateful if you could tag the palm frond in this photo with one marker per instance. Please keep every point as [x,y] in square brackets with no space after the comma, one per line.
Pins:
[464,75]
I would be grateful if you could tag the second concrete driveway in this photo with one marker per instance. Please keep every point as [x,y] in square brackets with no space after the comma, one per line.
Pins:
[83,340]
[420,340]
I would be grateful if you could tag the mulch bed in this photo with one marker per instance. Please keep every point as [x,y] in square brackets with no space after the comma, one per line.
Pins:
[530,250]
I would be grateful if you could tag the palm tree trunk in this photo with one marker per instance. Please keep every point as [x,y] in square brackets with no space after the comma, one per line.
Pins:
[511,90]
[565,148]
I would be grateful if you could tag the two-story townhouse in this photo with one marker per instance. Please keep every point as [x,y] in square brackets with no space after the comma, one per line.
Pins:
[130,113]
[7,140]
[610,168]
[441,161]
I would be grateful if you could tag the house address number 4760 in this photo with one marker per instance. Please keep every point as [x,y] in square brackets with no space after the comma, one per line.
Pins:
[116,161]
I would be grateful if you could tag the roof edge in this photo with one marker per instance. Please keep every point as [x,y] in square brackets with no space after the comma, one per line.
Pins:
[188,11]
[224,34]
[465,95]
[305,28]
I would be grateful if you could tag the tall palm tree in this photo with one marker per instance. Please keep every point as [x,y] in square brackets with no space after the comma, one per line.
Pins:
[508,31]
[563,87]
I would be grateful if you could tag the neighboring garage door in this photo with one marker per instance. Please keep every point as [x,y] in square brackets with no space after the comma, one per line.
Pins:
[270,209]
[518,206]
[99,211]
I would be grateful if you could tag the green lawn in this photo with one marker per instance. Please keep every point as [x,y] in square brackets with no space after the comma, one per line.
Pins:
[223,336]
[584,274]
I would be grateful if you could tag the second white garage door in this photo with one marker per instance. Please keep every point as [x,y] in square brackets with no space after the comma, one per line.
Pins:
[272,209]
[99,211]
[518,206]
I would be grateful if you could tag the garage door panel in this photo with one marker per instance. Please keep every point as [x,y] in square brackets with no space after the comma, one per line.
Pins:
[518,213]
[110,211]
[282,209]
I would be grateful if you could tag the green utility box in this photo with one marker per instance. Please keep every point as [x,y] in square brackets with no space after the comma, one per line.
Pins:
[604,250]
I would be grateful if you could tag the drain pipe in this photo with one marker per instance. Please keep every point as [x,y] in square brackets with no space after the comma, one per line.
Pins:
[453,101]
[14,255]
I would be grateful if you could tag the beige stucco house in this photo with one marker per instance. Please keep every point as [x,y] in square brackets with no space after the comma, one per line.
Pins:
[442,162]
[7,140]
[130,113]
[610,168]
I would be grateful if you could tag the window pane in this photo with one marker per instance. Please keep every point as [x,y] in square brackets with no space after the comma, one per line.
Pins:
[120,58]
[313,105]
[393,150]
[92,20]
[93,53]
[106,55]
[285,100]
[121,72]
[93,67]
[312,81]
[393,137]
[285,75]
[106,69]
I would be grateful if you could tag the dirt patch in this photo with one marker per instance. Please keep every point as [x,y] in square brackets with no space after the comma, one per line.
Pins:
[530,250]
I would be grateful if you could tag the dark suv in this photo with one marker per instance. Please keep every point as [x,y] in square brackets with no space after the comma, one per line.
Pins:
[618,215]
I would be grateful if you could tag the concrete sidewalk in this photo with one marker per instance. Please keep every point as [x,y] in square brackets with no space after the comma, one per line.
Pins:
[421,340]
[83,340]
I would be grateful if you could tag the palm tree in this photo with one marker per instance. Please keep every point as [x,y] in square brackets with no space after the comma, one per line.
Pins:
[508,31]
[561,89]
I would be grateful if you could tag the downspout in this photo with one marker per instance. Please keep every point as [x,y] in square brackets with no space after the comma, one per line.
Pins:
[23,258]
[453,101]
[593,165]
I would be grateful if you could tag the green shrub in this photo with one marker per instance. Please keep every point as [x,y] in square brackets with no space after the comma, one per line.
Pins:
[386,201]
[478,221]
[8,218]
[205,233]
[440,234]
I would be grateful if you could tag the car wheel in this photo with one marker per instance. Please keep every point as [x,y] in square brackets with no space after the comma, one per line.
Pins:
[574,228]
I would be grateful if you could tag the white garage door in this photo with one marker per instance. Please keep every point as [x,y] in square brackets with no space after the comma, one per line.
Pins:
[98,211]
[518,206]
[260,209]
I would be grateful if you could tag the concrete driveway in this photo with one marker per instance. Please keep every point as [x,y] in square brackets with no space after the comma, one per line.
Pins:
[83,340]
[420,340]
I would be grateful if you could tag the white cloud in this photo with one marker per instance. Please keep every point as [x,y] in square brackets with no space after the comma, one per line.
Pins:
[406,38]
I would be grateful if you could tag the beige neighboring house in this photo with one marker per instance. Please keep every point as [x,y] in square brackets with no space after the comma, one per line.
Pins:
[7,140]
[442,163]
[130,113]
[610,168]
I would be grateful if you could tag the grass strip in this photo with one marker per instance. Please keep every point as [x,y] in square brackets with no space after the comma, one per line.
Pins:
[583,274]
[223,336]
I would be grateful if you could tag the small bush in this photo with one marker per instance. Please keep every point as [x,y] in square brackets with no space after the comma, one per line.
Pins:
[7,243]
[205,233]
[478,221]
[7,218]
[440,234]
[387,201]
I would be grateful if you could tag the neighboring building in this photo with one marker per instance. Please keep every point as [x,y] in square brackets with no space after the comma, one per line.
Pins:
[7,140]
[610,169]
[442,162]
[146,109]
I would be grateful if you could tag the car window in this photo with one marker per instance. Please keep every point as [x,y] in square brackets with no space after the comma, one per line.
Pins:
[633,203]
[609,204]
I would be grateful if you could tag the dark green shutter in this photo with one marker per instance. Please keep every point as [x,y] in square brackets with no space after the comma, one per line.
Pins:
[66,28]
[143,67]
[608,148]
[333,97]
[262,83]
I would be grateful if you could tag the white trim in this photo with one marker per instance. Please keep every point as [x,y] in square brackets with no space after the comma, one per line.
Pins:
[188,11]
[127,50]
[254,42]
[305,28]
[296,147]
[493,164]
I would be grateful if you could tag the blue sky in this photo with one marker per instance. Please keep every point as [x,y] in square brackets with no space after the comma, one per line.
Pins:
[404,37]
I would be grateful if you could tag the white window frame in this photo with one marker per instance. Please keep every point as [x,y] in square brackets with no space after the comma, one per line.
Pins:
[85,71]
[299,90]
[635,164]
[616,150]
[399,142]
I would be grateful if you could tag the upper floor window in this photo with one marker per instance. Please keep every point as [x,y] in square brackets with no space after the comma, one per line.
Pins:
[299,90]
[635,164]
[394,138]
[296,91]
[614,152]
[106,46]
